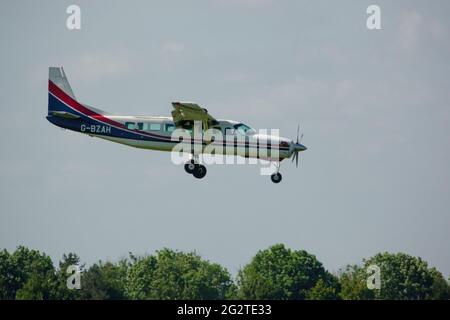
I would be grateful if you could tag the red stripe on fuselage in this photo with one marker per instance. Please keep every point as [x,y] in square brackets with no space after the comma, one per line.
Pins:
[65,98]
[60,94]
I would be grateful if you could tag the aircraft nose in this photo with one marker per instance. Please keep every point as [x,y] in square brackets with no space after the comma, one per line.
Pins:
[299,147]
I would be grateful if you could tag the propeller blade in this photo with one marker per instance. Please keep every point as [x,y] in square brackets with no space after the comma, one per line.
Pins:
[293,157]
[296,159]
[298,131]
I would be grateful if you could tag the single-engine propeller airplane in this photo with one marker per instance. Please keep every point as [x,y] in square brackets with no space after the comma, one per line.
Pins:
[155,133]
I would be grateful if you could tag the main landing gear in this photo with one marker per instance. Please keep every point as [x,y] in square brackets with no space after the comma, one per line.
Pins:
[276,177]
[197,170]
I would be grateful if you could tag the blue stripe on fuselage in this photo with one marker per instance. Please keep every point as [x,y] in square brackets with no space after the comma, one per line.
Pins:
[75,125]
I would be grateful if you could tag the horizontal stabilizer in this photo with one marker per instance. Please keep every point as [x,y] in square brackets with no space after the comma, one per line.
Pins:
[65,115]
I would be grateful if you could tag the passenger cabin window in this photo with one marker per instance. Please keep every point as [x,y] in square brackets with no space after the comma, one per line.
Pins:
[155,126]
[130,125]
[169,127]
[152,126]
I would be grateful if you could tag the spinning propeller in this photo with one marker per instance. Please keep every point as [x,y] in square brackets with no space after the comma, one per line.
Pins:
[297,147]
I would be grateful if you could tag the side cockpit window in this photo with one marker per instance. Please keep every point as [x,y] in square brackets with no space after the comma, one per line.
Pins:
[228,131]
[243,129]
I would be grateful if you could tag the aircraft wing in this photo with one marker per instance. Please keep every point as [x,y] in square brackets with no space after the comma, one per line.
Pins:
[185,113]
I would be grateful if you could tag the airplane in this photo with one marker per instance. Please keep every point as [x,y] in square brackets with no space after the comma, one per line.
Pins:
[155,133]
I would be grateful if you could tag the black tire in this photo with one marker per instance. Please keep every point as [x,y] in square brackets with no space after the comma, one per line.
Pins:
[200,171]
[276,177]
[189,167]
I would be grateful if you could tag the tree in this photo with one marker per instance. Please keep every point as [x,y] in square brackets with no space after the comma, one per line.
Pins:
[65,293]
[140,277]
[402,276]
[8,277]
[323,291]
[280,273]
[353,280]
[274,273]
[441,288]
[176,275]
[33,275]
[104,281]
[38,287]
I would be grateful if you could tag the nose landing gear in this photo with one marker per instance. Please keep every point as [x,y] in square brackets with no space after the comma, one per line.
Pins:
[276,177]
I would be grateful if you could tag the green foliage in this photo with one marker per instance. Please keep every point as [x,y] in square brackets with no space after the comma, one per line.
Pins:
[63,292]
[441,288]
[280,273]
[38,287]
[274,273]
[353,280]
[103,281]
[403,277]
[140,277]
[323,291]
[177,275]
[8,286]
[26,274]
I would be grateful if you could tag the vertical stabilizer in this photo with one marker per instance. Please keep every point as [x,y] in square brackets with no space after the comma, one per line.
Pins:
[58,77]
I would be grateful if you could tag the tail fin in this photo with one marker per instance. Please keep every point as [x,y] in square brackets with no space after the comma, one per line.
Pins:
[58,77]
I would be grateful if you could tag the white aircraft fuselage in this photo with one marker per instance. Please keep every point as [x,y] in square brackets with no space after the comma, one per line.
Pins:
[157,133]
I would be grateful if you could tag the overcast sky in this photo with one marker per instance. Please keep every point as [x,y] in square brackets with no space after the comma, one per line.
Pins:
[373,105]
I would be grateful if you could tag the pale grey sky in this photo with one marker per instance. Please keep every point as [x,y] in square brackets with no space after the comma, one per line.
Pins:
[374,107]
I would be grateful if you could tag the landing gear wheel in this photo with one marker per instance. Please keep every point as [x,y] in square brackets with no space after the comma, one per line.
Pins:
[199,171]
[189,167]
[276,177]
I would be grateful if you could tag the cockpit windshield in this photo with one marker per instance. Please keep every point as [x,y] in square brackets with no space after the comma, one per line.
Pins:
[243,129]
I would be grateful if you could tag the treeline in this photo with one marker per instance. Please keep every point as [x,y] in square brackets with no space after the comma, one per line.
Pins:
[274,273]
